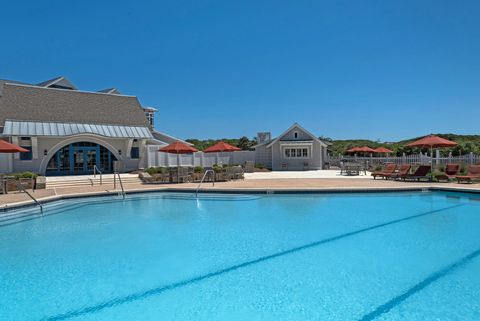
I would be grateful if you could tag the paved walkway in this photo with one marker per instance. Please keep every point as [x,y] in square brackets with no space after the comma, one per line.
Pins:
[250,183]
[304,174]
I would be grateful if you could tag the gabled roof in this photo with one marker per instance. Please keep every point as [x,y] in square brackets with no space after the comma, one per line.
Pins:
[112,90]
[295,125]
[58,82]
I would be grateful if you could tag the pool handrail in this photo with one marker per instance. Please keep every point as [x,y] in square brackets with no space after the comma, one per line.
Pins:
[203,178]
[22,188]
[115,174]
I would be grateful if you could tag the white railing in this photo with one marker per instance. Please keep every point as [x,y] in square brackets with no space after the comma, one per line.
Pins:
[422,159]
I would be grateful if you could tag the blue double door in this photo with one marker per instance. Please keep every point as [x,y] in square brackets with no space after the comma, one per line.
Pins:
[80,158]
[83,159]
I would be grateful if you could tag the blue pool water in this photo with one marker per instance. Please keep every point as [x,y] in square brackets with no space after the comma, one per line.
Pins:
[404,256]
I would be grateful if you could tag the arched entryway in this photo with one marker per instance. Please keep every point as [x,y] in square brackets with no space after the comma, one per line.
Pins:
[80,158]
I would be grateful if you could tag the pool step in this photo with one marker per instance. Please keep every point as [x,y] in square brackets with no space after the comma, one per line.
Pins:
[87,181]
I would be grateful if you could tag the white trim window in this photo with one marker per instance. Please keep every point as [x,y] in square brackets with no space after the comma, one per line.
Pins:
[296,152]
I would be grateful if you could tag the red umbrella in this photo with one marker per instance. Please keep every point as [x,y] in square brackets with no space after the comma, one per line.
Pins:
[383,150]
[353,150]
[365,149]
[6,147]
[432,142]
[221,147]
[178,148]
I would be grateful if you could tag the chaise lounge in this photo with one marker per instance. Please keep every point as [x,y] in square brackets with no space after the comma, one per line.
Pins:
[403,171]
[422,172]
[473,173]
[387,171]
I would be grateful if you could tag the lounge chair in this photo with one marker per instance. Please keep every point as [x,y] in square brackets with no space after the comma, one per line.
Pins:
[422,172]
[451,171]
[388,170]
[402,171]
[473,173]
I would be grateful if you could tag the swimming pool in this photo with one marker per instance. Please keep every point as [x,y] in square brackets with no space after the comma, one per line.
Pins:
[374,256]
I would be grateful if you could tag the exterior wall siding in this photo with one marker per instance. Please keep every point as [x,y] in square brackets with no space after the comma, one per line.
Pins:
[263,155]
[314,161]
[53,144]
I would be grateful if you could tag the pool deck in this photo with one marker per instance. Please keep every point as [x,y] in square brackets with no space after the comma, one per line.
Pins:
[320,181]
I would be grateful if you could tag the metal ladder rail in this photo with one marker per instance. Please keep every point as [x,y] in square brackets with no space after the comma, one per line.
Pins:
[203,178]
[95,170]
[115,174]
[20,187]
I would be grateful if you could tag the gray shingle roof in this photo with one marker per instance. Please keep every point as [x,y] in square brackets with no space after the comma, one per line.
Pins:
[31,103]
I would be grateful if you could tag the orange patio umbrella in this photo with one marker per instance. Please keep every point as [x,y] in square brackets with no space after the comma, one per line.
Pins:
[6,147]
[178,148]
[221,147]
[365,149]
[381,150]
[432,142]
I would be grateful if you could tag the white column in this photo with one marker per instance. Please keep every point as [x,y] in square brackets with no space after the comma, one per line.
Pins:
[15,142]
[34,141]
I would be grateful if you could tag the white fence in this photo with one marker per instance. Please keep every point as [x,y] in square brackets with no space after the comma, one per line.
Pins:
[423,159]
[156,158]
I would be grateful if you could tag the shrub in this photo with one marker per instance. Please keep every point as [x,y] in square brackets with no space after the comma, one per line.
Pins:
[198,169]
[156,170]
[24,175]
[260,166]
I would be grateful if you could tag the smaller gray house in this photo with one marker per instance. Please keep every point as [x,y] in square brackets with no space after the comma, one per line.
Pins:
[296,149]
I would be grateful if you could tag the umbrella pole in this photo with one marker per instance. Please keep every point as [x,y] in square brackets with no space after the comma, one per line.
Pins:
[431,163]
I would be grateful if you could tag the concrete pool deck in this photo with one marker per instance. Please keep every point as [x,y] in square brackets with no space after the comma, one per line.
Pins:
[255,182]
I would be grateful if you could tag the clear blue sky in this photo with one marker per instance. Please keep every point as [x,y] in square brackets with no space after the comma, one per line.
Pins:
[346,69]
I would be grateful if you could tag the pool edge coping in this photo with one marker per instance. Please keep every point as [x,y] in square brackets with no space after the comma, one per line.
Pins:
[264,191]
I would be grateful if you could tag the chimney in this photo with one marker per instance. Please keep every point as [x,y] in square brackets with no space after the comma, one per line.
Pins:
[263,137]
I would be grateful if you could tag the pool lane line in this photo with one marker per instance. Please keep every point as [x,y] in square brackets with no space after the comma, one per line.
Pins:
[386,307]
[155,291]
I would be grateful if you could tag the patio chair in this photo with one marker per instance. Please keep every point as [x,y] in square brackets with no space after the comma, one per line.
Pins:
[230,173]
[284,167]
[238,172]
[306,166]
[249,167]
[422,172]
[402,172]
[389,169]
[473,173]
[3,184]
